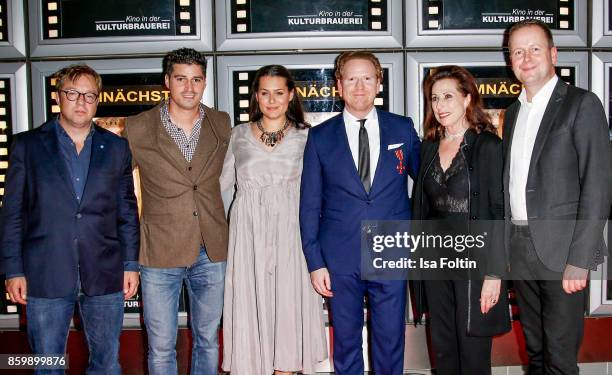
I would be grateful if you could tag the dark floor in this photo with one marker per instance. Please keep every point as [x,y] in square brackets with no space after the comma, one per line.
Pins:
[508,350]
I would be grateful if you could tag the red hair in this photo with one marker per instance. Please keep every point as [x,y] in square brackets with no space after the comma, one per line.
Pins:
[475,115]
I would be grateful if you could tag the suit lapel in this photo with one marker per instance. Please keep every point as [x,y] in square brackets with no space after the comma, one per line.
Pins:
[207,145]
[553,107]
[509,126]
[49,139]
[383,156]
[169,148]
[96,161]
[342,141]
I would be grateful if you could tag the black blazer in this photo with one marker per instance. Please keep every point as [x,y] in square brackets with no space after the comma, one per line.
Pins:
[483,154]
[569,185]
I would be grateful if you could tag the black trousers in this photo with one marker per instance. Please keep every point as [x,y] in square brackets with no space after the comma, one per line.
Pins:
[455,353]
[552,320]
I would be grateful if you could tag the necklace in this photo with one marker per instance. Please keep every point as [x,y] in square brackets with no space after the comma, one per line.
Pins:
[272,138]
[453,136]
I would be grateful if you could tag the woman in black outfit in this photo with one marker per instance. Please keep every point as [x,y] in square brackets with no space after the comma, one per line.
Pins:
[460,184]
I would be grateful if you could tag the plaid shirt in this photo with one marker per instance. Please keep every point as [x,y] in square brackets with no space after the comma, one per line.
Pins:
[186,145]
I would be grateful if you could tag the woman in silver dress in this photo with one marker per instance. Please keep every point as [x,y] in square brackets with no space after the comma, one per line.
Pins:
[272,318]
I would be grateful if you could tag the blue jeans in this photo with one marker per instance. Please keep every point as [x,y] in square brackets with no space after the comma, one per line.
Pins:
[48,323]
[161,288]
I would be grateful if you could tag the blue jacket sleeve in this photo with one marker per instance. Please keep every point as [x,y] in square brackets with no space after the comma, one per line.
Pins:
[13,205]
[414,157]
[127,216]
[310,206]
[131,265]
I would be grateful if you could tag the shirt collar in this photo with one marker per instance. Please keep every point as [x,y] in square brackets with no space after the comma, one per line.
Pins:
[165,113]
[350,119]
[541,96]
[61,133]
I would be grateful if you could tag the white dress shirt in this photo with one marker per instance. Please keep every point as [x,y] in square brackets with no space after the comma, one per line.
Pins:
[351,123]
[525,132]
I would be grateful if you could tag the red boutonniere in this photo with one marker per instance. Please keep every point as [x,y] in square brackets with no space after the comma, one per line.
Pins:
[399,154]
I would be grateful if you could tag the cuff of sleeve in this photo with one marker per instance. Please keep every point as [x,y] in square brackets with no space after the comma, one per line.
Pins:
[581,262]
[13,275]
[315,262]
[131,265]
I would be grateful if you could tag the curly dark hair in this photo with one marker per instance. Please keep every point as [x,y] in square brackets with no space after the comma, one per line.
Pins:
[475,115]
[183,56]
[295,113]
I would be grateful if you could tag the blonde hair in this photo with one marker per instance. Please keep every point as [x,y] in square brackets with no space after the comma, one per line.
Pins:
[73,72]
[345,57]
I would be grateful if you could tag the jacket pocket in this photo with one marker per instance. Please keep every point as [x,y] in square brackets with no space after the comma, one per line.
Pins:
[564,208]
[158,219]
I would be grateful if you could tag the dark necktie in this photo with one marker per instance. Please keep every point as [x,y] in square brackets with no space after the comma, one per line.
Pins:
[364,156]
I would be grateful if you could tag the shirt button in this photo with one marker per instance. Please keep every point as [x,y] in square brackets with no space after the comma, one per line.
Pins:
[189,168]
[78,216]
[195,187]
[471,168]
[475,193]
[78,179]
[474,217]
[195,213]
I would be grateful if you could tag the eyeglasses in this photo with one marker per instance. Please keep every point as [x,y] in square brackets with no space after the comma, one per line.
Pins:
[74,95]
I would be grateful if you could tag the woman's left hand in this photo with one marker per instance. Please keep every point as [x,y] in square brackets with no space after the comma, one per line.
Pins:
[489,295]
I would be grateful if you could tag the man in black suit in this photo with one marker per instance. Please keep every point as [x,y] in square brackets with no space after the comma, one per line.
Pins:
[557,197]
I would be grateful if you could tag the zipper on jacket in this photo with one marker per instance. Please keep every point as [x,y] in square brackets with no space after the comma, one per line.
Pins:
[469,281]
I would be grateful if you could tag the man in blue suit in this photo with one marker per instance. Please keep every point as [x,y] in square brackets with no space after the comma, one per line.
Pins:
[356,167]
[70,226]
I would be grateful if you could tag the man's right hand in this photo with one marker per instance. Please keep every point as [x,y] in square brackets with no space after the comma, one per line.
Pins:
[321,282]
[17,289]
